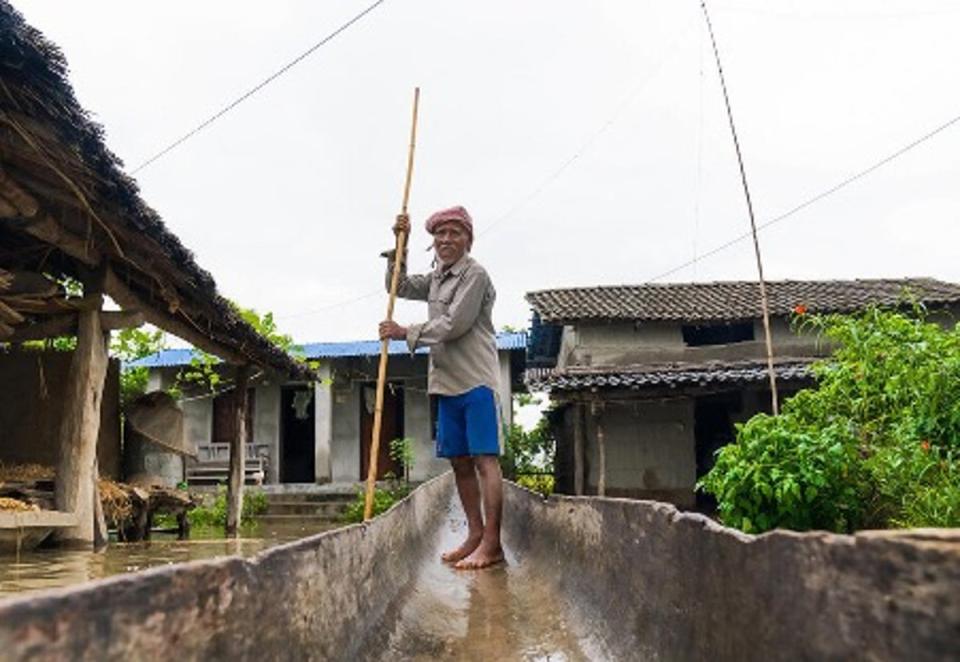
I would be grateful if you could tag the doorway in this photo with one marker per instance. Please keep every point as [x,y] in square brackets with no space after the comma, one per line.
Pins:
[297,434]
[391,427]
[713,429]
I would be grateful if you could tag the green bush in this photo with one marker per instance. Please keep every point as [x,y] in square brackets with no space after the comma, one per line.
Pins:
[875,445]
[214,515]
[542,483]
[383,500]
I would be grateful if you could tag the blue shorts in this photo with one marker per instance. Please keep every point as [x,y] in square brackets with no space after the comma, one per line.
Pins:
[468,424]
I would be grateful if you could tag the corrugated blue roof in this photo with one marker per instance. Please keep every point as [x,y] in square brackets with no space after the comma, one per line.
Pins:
[326,350]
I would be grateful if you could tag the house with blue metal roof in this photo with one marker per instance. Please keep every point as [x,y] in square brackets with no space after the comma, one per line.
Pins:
[320,431]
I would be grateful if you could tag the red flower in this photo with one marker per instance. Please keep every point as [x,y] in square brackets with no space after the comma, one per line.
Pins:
[800,309]
[925,445]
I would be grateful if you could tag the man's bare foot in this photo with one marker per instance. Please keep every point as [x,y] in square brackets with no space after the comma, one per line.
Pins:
[482,557]
[463,551]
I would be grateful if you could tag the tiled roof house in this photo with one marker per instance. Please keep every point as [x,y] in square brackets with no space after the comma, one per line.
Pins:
[647,381]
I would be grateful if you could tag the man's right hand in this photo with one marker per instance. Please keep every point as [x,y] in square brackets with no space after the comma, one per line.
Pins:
[402,225]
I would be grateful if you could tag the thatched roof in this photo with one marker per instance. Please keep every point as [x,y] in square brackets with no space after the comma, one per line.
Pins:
[67,206]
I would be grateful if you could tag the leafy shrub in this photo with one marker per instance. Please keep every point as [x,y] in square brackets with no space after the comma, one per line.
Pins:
[875,445]
[383,500]
[542,483]
[254,503]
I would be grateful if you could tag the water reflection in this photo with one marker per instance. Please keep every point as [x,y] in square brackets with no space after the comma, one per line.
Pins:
[53,568]
[501,613]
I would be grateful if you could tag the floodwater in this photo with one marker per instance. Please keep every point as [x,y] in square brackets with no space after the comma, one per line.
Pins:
[500,613]
[54,568]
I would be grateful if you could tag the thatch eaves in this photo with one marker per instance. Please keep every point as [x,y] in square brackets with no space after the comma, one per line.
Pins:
[67,206]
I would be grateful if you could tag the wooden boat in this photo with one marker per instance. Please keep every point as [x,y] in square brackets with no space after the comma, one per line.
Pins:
[585,578]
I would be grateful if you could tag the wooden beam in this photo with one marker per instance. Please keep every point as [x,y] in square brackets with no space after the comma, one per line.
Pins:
[7,209]
[28,283]
[34,306]
[52,327]
[46,229]
[66,325]
[238,446]
[9,315]
[120,293]
[578,449]
[79,430]
[25,203]
[113,320]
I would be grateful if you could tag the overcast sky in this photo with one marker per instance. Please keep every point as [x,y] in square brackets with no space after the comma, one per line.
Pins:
[588,139]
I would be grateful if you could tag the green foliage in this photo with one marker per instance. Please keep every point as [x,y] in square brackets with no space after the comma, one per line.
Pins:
[265,326]
[526,400]
[875,445]
[383,500]
[528,452]
[203,372]
[401,451]
[200,374]
[129,345]
[542,483]
[254,503]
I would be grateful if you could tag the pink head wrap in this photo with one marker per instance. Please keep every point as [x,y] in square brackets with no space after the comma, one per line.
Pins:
[458,214]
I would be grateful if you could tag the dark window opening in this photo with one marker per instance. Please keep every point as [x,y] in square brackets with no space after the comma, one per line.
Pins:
[224,419]
[713,429]
[696,335]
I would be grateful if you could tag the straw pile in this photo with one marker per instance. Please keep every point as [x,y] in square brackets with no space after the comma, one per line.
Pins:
[24,473]
[16,505]
[116,501]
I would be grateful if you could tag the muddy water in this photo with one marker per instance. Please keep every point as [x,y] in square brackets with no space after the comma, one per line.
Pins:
[53,568]
[499,613]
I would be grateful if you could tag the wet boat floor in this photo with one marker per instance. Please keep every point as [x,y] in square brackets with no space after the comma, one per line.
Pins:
[504,612]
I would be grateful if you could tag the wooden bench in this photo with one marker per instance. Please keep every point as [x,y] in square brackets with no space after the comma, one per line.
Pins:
[213,466]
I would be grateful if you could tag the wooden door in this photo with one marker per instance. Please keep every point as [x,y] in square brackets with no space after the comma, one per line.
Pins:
[391,428]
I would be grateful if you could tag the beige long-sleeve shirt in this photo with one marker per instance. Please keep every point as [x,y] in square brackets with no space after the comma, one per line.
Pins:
[459,328]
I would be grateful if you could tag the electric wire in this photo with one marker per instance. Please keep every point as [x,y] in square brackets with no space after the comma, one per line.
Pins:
[259,86]
[580,151]
[589,142]
[815,199]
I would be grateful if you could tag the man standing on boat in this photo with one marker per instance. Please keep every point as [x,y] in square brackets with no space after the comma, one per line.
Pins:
[463,374]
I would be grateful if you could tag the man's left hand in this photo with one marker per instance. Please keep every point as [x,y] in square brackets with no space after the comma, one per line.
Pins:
[392,330]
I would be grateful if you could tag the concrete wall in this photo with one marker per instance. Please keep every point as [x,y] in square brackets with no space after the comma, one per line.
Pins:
[650,450]
[266,425]
[31,408]
[320,598]
[337,450]
[323,418]
[623,343]
[646,582]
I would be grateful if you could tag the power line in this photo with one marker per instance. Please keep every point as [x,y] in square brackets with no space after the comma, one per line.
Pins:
[259,86]
[588,143]
[817,198]
[339,304]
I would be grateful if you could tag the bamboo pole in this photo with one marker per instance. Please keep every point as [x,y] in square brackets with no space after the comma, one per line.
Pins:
[764,303]
[385,343]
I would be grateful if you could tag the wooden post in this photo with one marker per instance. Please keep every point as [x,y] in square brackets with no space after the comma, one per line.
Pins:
[597,411]
[238,448]
[578,449]
[75,485]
